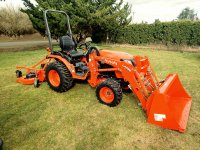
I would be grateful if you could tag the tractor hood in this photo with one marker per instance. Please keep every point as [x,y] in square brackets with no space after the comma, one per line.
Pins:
[115,54]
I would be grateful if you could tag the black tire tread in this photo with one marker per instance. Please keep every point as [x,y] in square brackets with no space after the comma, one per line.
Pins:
[18,73]
[67,82]
[116,88]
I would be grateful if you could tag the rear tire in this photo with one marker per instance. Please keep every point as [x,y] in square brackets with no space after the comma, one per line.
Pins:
[109,92]
[59,77]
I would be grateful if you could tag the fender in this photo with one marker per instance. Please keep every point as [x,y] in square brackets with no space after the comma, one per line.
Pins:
[64,61]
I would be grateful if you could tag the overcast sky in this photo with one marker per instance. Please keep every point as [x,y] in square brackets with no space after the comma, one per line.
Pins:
[164,10]
[149,10]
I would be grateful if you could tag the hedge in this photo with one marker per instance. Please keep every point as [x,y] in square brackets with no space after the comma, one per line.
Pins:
[169,33]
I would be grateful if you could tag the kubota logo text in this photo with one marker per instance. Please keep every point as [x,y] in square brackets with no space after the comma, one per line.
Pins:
[110,62]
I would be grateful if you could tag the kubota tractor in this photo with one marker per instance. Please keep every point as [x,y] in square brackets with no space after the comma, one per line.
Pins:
[166,103]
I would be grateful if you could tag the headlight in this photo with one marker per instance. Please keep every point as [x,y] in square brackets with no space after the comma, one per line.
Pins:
[128,61]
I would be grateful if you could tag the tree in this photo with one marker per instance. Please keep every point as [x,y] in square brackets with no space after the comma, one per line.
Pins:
[14,22]
[87,17]
[157,21]
[187,13]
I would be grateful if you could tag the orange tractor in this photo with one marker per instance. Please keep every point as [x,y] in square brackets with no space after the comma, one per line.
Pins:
[166,102]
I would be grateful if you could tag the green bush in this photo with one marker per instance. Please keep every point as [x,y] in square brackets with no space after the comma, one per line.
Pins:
[168,33]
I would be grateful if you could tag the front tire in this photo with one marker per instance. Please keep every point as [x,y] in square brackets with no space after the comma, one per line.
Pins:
[59,77]
[109,92]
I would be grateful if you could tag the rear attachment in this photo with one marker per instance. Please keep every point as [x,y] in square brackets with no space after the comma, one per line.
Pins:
[34,74]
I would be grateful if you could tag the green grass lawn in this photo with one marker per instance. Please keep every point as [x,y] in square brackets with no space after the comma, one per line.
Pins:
[43,119]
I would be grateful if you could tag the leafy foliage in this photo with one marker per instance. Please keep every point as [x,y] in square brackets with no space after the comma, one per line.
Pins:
[187,13]
[14,22]
[177,32]
[88,17]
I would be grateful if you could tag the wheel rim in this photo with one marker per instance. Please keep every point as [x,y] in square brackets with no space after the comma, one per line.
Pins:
[106,94]
[54,78]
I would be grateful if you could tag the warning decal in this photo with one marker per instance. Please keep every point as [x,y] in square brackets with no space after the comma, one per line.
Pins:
[159,117]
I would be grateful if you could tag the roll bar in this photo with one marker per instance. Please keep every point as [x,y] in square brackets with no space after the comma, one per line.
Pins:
[47,25]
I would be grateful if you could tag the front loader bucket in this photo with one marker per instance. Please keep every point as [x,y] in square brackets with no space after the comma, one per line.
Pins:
[169,105]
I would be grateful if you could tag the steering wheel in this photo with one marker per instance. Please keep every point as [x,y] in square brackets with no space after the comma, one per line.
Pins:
[88,49]
[86,45]
[92,49]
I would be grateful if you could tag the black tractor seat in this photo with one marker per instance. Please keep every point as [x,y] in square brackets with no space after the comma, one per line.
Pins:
[68,46]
